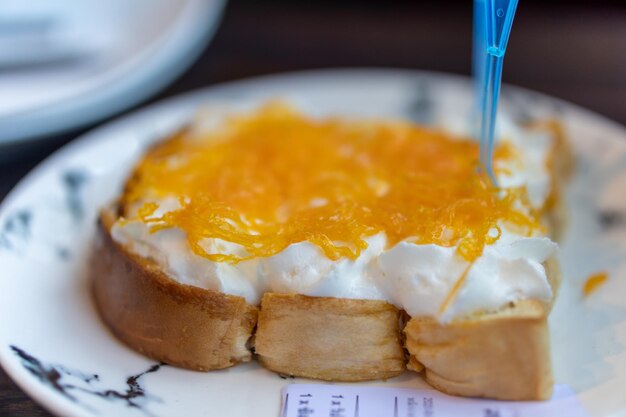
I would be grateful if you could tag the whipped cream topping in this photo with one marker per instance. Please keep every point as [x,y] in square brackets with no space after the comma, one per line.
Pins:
[416,278]
[421,279]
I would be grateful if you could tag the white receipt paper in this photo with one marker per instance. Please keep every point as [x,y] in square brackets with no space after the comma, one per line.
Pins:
[320,400]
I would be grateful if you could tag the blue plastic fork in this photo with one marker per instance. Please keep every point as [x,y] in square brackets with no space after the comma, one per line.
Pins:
[492,26]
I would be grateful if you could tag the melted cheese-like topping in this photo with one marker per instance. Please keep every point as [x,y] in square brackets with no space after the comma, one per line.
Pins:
[268,179]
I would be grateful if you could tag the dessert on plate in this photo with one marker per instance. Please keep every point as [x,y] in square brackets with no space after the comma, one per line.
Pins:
[339,249]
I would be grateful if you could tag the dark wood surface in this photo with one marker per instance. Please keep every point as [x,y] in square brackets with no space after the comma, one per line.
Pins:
[575,51]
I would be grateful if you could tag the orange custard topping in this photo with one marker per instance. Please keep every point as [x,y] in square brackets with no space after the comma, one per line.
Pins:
[274,177]
[594,282]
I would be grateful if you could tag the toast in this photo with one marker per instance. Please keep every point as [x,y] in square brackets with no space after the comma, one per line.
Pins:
[333,339]
[499,353]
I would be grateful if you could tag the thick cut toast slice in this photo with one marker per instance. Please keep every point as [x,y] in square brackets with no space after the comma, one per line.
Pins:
[334,339]
[175,323]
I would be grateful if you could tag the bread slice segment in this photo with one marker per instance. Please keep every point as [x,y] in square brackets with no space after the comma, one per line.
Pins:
[174,323]
[503,355]
[329,338]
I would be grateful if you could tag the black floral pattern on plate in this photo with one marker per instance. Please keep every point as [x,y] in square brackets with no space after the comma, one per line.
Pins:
[63,253]
[610,219]
[16,227]
[422,106]
[526,107]
[74,181]
[66,381]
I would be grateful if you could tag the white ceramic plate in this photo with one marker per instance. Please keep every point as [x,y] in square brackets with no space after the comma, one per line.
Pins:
[54,346]
[103,57]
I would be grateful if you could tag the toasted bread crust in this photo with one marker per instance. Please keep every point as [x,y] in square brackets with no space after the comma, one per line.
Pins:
[503,355]
[175,323]
[329,338]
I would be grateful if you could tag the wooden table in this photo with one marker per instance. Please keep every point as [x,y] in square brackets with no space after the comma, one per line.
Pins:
[575,51]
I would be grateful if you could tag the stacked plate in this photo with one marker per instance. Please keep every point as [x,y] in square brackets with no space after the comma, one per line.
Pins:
[68,63]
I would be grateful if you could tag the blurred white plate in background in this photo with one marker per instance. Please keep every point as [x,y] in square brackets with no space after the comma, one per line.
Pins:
[68,63]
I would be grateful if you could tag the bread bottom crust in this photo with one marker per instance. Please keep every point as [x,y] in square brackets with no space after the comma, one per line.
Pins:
[174,323]
[327,338]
